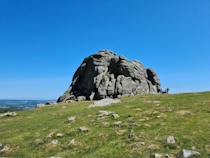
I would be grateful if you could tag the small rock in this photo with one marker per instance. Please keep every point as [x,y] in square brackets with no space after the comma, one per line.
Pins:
[54,157]
[1,146]
[83,129]
[144,119]
[115,116]
[138,109]
[39,141]
[150,113]
[162,115]
[118,123]
[141,143]
[146,125]
[5,149]
[155,113]
[106,124]
[8,114]
[102,113]
[72,142]
[51,134]
[55,142]
[193,148]
[130,119]
[184,113]
[105,102]
[170,156]
[132,136]
[153,147]
[188,154]
[59,135]
[52,144]
[170,140]
[136,145]
[156,155]
[121,132]
[101,135]
[71,119]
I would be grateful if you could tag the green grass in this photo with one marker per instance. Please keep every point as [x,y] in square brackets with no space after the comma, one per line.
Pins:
[140,123]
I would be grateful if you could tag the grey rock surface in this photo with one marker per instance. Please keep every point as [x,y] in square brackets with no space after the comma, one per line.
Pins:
[107,75]
[71,119]
[170,140]
[188,154]
[105,102]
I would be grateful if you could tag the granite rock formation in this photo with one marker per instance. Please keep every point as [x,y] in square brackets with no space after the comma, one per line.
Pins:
[106,74]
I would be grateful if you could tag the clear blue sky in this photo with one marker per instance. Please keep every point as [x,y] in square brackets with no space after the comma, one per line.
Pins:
[42,42]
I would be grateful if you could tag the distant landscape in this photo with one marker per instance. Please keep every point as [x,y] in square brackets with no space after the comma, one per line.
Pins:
[6,104]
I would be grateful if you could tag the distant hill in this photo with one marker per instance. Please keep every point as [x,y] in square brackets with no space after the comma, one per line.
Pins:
[139,126]
[19,104]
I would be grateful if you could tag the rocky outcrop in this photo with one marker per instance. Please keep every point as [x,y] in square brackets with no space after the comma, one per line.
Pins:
[106,74]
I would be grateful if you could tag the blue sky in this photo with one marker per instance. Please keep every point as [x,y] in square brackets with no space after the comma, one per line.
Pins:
[42,42]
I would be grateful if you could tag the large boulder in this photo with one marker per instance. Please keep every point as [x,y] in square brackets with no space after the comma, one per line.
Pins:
[106,74]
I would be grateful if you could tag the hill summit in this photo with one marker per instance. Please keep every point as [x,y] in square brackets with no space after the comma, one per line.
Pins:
[106,74]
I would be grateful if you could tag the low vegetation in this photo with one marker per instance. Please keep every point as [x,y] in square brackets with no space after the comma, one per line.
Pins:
[3,110]
[139,126]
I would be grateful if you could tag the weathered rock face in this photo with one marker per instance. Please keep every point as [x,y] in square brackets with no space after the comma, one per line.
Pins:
[105,74]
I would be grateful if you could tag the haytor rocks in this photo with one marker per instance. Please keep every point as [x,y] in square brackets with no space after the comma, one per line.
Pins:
[107,75]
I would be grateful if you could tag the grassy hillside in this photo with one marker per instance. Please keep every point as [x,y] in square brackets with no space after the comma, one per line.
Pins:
[142,128]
